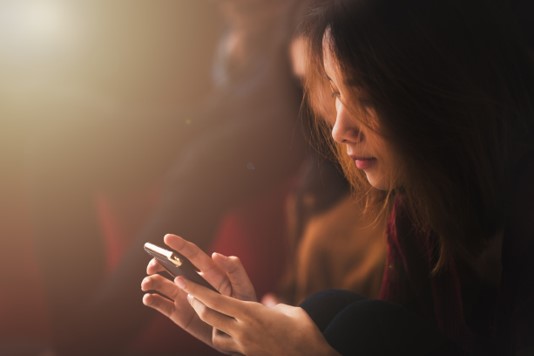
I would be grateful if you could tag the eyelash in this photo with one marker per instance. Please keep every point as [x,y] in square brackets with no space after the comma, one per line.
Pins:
[363,102]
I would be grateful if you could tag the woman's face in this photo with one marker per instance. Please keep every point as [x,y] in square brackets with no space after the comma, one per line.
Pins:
[364,145]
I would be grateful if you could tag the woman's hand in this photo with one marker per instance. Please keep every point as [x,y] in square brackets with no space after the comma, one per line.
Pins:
[251,328]
[164,296]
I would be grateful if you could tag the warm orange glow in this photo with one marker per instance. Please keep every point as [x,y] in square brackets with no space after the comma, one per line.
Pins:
[91,95]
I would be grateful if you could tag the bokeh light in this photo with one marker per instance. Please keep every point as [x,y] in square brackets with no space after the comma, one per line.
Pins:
[35,20]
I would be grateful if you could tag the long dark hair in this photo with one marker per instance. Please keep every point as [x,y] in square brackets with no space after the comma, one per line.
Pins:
[452,84]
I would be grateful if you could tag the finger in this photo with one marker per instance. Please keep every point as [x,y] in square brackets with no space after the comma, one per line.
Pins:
[221,303]
[175,309]
[154,267]
[270,300]
[212,317]
[159,303]
[161,285]
[224,343]
[240,283]
[190,251]
[200,260]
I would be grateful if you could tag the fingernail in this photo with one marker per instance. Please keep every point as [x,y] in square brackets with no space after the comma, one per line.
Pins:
[190,298]
[220,255]
[145,299]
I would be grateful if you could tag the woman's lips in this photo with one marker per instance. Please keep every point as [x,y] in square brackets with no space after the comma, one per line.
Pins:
[364,162]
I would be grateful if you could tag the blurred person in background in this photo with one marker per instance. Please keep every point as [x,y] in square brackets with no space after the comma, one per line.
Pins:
[95,177]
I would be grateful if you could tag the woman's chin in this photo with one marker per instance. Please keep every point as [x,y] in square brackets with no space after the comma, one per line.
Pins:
[377,182]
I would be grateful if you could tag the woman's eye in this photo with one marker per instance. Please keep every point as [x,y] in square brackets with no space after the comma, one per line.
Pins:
[335,94]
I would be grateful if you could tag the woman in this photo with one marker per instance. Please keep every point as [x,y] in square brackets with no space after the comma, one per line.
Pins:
[432,119]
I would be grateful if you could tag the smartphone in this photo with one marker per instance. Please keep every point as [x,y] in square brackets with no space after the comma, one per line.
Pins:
[176,264]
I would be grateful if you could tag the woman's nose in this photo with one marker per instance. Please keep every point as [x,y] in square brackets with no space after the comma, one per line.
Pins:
[346,129]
